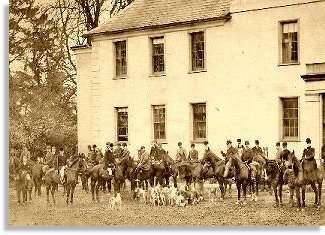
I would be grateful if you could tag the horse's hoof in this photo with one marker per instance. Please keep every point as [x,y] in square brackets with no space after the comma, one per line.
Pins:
[237,202]
[298,209]
[276,205]
[303,209]
[244,203]
[255,199]
[221,199]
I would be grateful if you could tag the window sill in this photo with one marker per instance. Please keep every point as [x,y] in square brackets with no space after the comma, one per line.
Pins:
[162,141]
[288,64]
[197,71]
[199,141]
[290,140]
[120,77]
[157,75]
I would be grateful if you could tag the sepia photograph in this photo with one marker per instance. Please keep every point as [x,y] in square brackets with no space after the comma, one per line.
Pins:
[173,113]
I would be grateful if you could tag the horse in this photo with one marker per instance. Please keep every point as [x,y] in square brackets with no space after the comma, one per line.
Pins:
[306,173]
[76,164]
[275,173]
[98,176]
[24,185]
[243,178]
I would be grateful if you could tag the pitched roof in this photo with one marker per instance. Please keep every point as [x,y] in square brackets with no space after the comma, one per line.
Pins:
[141,14]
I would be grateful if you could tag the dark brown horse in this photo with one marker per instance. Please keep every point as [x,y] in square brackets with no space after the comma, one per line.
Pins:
[306,173]
[274,172]
[243,178]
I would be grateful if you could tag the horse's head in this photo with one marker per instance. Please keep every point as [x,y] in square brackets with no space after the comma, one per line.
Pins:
[293,163]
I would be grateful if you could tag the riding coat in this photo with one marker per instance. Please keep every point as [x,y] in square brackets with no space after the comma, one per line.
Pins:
[144,161]
[257,150]
[193,155]
[284,154]
[309,153]
[181,155]
[247,155]
[108,157]
[62,161]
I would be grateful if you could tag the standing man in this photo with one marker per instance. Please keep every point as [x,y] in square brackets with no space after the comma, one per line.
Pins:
[193,155]
[25,153]
[309,153]
[231,152]
[285,152]
[181,153]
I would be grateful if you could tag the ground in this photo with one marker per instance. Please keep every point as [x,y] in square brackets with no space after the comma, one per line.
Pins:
[84,212]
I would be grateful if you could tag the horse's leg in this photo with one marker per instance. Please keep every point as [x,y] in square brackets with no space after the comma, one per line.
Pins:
[48,192]
[73,186]
[244,191]
[298,198]
[52,192]
[18,193]
[238,184]
[319,193]
[68,189]
[280,193]
[92,184]
[99,183]
[313,186]
[303,194]
[222,189]
[291,196]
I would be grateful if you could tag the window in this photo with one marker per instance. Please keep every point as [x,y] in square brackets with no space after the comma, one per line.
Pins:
[158,60]
[122,124]
[120,56]
[290,118]
[197,48]
[289,42]
[159,119]
[199,121]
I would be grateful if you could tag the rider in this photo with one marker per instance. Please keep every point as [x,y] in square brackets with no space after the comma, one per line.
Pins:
[309,153]
[144,161]
[247,156]
[181,153]
[209,156]
[239,148]
[231,151]
[285,152]
[257,149]
[109,156]
[193,155]
[89,155]
[94,154]
[278,151]
[125,153]
[25,165]
[62,165]
[117,151]
[153,150]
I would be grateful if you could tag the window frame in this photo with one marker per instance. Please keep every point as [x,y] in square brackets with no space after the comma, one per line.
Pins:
[282,134]
[152,72]
[117,124]
[162,140]
[280,41]
[198,140]
[120,76]
[197,70]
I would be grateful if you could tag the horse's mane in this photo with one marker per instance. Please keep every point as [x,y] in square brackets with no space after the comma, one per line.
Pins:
[296,163]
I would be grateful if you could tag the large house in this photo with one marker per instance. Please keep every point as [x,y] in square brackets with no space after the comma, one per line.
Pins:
[195,70]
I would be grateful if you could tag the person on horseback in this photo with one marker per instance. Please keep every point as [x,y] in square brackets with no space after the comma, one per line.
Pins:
[94,155]
[25,165]
[181,153]
[62,165]
[109,160]
[144,161]
[154,150]
[117,151]
[124,154]
[257,149]
[89,155]
[278,151]
[247,157]
[210,157]
[239,148]
[285,152]
[308,154]
[231,151]
[193,155]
